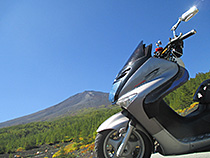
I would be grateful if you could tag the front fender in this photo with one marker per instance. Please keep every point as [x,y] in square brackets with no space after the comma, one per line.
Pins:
[114,122]
[118,121]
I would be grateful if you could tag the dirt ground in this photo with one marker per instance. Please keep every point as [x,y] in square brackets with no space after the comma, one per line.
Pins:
[42,151]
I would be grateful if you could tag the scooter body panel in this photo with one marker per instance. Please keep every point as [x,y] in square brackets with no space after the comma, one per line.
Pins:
[115,122]
[172,146]
[152,69]
[164,71]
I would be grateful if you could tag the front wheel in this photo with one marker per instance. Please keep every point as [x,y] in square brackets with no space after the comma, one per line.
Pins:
[108,141]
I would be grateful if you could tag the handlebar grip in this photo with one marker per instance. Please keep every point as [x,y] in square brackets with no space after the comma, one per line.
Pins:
[188,34]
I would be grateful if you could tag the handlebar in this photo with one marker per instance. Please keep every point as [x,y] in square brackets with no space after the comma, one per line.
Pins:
[176,41]
[182,37]
[188,34]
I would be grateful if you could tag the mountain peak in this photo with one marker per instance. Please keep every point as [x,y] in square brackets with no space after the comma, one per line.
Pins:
[72,104]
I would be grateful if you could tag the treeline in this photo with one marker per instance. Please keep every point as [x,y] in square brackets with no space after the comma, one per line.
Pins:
[81,128]
[182,97]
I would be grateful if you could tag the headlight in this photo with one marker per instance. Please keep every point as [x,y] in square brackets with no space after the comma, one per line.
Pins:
[113,91]
[127,100]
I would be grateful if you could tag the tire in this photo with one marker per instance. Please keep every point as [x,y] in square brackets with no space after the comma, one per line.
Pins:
[107,142]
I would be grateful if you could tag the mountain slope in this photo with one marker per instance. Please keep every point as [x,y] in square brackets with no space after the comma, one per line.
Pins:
[72,104]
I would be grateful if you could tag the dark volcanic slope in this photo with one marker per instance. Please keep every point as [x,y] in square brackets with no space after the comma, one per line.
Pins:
[77,102]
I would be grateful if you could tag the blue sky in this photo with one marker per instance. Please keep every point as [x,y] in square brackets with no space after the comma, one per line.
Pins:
[51,49]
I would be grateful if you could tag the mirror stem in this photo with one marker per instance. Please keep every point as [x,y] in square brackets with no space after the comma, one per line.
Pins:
[176,25]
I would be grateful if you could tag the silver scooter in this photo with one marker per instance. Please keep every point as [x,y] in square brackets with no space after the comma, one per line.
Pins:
[147,124]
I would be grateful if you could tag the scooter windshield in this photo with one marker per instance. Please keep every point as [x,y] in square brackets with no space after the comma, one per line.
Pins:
[139,56]
[138,53]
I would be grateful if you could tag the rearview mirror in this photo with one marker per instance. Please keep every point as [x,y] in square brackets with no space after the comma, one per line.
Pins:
[186,16]
[189,14]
